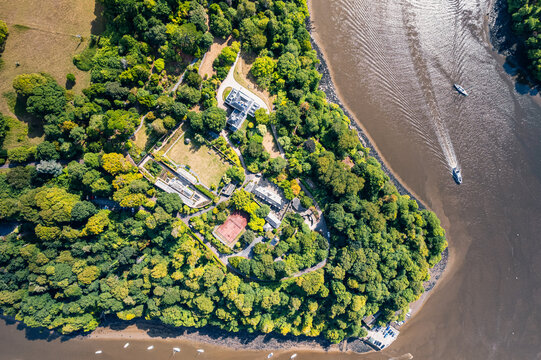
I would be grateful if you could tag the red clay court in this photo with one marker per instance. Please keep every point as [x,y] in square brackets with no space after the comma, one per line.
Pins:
[232,228]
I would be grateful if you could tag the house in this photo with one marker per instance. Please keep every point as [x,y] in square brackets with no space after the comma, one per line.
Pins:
[370,320]
[228,189]
[243,105]
[267,195]
[273,220]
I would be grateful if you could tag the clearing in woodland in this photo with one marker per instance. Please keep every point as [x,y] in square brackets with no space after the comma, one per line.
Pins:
[215,49]
[42,38]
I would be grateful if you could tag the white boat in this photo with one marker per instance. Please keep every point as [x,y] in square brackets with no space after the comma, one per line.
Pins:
[126,345]
[98,352]
[175,349]
[200,351]
[270,355]
[461,90]
[457,176]
[293,356]
[150,347]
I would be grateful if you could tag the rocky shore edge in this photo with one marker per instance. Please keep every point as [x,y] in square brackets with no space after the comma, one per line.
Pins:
[508,44]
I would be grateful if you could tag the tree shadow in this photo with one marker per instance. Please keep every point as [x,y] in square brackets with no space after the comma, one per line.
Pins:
[97,25]
[35,124]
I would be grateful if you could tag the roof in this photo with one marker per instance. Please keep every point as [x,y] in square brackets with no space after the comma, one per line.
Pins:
[267,195]
[273,220]
[228,189]
[187,176]
[296,203]
[181,188]
[243,105]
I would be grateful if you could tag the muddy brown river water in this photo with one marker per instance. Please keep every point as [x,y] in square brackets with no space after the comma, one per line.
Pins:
[394,63]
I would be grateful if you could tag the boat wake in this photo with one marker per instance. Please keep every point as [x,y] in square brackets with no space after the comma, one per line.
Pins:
[425,81]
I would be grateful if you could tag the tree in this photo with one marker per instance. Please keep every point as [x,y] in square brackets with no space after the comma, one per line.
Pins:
[51,167]
[263,211]
[19,177]
[25,84]
[220,26]
[48,98]
[186,37]
[188,95]
[158,127]
[214,119]
[277,165]
[262,69]
[170,202]
[198,16]
[236,173]
[46,151]
[82,210]
[21,154]
[3,35]
[115,163]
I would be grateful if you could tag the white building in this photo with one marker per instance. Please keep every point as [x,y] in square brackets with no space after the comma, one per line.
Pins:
[267,195]
[273,220]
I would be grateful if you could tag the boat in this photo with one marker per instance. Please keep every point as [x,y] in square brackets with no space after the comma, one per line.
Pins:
[150,347]
[176,350]
[126,345]
[457,175]
[461,90]
[270,355]
[98,352]
[200,351]
[293,356]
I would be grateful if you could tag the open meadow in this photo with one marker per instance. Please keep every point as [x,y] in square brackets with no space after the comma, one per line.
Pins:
[42,38]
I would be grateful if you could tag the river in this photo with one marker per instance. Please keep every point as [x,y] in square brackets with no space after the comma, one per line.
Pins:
[394,63]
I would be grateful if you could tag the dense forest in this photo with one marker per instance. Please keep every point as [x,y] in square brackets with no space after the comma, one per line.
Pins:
[97,238]
[527,23]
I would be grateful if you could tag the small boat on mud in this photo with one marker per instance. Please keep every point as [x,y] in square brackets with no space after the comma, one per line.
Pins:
[461,90]
[457,176]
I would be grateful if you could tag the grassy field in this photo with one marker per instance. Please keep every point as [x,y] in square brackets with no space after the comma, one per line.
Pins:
[42,39]
[202,160]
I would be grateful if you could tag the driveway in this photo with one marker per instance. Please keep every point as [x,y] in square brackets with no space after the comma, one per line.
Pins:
[230,81]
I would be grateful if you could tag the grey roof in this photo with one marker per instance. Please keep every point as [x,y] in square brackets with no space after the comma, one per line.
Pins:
[296,203]
[228,189]
[243,105]
[273,220]
[267,195]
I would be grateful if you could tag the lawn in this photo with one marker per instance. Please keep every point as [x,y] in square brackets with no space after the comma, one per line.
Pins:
[202,160]
[42,37]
